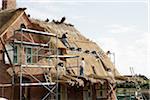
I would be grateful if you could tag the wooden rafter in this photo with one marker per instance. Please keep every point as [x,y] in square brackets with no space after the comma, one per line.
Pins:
[12,66]
[30,35]
[27,38]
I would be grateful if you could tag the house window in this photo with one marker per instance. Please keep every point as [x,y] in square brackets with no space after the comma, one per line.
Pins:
[100,91]
[28,55]
[15,54]
[87,93]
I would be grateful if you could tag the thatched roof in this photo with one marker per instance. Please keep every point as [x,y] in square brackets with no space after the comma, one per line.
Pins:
[75,39]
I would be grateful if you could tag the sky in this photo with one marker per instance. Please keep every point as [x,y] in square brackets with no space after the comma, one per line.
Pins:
[120,26]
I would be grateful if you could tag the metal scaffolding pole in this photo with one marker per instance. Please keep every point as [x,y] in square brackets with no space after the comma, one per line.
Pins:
[21,67]
[22,43]
[57,66]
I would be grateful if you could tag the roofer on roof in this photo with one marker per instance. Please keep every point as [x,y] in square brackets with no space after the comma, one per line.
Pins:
[64,40]
[82,65]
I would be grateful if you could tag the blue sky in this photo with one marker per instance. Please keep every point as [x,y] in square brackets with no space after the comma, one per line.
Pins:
[120,26]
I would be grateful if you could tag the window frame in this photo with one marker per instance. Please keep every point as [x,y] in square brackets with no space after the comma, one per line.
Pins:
[15,54]
[28,56]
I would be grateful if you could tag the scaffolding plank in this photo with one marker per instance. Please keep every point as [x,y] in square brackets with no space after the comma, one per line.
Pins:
[28,84]
[37,84]
[36,32]
[36,66]
[5,85]
[30,43]
[64,56]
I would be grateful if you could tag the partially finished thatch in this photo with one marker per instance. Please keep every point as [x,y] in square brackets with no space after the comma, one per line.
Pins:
[102,68]
[78,41]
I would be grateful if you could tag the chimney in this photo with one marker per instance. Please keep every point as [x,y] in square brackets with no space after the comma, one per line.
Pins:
[8,4]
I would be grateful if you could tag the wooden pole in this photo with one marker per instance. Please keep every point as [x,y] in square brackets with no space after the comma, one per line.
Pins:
[12,66]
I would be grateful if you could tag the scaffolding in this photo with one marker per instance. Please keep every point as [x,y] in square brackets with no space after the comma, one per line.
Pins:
[39,53]
[42,50]
[24,60]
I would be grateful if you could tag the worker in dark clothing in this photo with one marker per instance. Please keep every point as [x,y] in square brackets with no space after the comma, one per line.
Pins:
[64,40]
[82,67]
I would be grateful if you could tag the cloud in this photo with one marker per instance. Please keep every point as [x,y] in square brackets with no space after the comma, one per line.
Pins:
[78,17]
[116,28]
[130,46]
[46,9]
[35,1]
[138,54]
[143,42]
[108,43]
